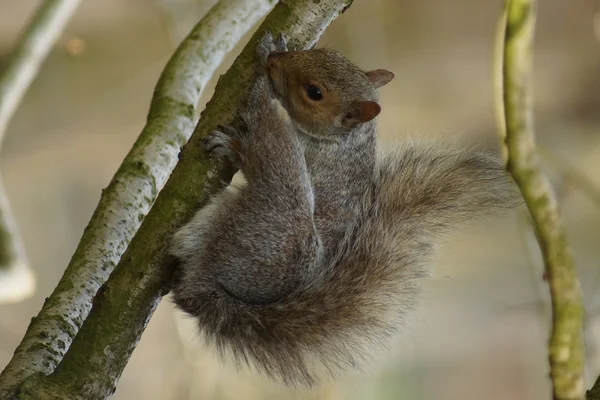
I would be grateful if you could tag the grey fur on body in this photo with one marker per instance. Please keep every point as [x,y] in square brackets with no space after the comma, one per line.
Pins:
[311,266]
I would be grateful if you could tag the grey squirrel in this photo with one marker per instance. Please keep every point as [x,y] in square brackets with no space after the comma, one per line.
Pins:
[311,266]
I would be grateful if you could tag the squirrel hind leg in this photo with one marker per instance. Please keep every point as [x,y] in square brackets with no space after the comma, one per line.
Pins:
[188,240]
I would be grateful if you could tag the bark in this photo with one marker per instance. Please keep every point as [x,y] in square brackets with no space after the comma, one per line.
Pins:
[122,309]
[565,345]
[132,191]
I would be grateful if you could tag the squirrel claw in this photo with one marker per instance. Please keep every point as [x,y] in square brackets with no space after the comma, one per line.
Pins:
[224,142]
[227,130]
[218,143]
[280,43]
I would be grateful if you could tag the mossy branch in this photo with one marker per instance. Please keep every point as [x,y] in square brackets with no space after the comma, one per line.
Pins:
[133,189]
[565,345]
[122,309]
[17,281]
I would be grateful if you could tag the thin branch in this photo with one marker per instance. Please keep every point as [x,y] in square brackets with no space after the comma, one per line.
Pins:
[498,81]
[133,189]
[565,346]
[17,281]
[31,51]
[121,311]
[567,170]
[572,175]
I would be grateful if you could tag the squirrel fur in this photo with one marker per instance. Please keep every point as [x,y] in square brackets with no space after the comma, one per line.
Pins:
[310,267]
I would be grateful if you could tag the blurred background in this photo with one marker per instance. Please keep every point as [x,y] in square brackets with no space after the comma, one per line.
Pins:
[482,328]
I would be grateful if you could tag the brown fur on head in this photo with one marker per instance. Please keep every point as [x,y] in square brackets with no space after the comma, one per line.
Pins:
[325,93]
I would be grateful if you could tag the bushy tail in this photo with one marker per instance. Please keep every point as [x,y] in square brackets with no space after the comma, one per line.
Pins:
[347,310]
[432,187]
[420,192]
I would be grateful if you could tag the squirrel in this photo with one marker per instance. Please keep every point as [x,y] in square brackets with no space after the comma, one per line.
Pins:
[311,266]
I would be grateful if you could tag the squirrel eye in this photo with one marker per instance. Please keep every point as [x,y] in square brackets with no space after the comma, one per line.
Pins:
[314,93]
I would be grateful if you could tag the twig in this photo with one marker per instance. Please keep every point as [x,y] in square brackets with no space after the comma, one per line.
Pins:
[133,189]
[97,356]
[498,80]
[17,281]
[566,169]
[31,51]
[572,175]
[565,347]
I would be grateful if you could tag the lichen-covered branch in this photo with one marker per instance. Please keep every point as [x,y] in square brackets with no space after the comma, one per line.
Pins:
[133,189]
[565,345]
[17,281]
[97,356]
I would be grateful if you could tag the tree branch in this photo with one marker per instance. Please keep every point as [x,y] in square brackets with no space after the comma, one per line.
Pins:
[121,311]
[572,175]
[16,279]
[133,189]
[565,347]
[31,51]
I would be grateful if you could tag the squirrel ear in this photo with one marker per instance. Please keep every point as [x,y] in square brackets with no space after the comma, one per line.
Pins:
[359,112]
[380,77]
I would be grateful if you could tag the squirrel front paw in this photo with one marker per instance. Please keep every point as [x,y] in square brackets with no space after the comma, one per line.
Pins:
[223,142]
[267,45]
[261,93]
[264,47]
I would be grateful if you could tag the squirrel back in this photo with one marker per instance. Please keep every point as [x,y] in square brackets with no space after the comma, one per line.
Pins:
[310,267]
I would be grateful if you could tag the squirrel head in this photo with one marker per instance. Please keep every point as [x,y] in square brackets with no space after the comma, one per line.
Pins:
[325,93]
